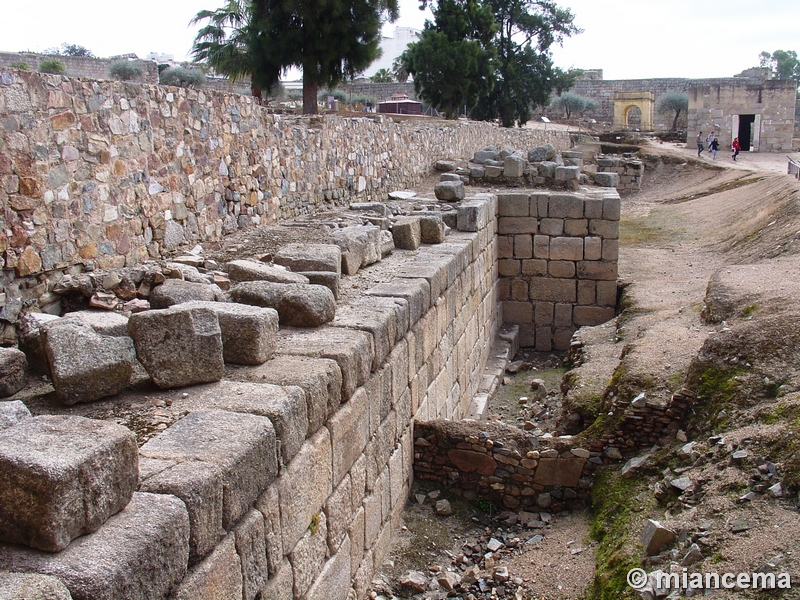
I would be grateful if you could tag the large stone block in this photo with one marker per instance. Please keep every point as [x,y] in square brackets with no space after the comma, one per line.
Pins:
[416,293]
[431,229]
[102,321]
[406,232]
[380,321]
[86,366]
[304,487]
[250,270]
[514,166]
[565,206]
[252,550]
[30,586]
[515,225]
[140,553]
[199,485]
[559,471]
[449,191]
[513,205]
[310,257]
[242,445]
[319,378]
[606,179]
[360,246]
[281,584]
[592,315]
[349,429]
[333,582]
[553,290]
[178,346]
[62,477]
[13,365]
[566,248]
[177,291]
[474,215]
[297,305]
[268,504]
[598,270]
[218,576]
[308,556]
[31,342]
[352,350]
[564,174]
[249,333]
[541,153]
[12,412]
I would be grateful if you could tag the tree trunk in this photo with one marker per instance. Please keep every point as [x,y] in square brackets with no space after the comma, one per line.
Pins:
[675,121]
[310,90]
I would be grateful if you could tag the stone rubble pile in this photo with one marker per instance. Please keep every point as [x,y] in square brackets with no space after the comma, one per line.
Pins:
[542,166]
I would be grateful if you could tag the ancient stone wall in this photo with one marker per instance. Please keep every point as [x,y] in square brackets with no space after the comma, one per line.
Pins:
[378,91]
[79,66]
[557,262]
[111,173]
[290,480]
[629,171]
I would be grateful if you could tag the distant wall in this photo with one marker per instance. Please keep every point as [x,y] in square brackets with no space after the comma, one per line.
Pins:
[79,66]
[111,173]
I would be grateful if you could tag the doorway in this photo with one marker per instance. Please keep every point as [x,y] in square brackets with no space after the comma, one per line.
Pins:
[746,131]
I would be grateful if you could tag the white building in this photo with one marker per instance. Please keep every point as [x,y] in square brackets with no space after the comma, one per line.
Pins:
[393,47]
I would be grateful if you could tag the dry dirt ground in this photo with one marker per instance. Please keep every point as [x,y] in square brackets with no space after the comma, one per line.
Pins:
[694,221]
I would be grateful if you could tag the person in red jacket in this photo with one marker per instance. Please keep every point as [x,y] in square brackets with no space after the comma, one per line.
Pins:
[735,147]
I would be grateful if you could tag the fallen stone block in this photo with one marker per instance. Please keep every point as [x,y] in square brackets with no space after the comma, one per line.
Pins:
[655,536]
[431,229]
[541,153]
[484,154]
[449,191]
[179,346]
[450,177]
[177,291]
[319,378]
[297,305]
[416,293]
[13,365]
[406,233]
[310,257]
[140,553]
[444,165]
[606,179]
[12,412]
[379,321]
[360,246]
[62,477]
[86,366]
[243,446]
[31,343]
[352,350]
[564,174]
[387,243]
[514,166]
[30,586]
[327,278]
[249,333]
[249,270]
[473,215]
[377,207]
[103,322]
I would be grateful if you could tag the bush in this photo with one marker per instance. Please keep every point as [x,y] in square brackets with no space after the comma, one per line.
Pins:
[338,94]
[182,77]
[21,65]
[124,70]
[51,65]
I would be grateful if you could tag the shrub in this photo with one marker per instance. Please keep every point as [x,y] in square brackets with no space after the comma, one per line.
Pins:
[21,65]
[182,77]
[51,65]
[124,70]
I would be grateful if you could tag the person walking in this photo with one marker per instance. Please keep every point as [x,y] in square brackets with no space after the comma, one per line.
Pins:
[735,146]
[699,143]
[709,140]
[713,147]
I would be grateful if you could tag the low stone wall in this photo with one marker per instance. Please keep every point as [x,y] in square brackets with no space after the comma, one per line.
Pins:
[502,464]
[557,262]
[109,173]
[79,66]
[290,481]
[630,171]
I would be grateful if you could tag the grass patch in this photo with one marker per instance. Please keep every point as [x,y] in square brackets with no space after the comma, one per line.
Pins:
[614,525]
[749,310]
[716,389]
[639,231]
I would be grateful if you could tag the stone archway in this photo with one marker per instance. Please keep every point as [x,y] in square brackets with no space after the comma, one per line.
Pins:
[625,102]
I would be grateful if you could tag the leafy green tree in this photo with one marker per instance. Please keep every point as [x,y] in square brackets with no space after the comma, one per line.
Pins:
[182,77]
[452,61]
[124,70]
[51,65]
[21,65]
[784,64]
[570,103]
[673,102]
[382,76]
[524,68]
[330,40]
[398,70]
[71,50]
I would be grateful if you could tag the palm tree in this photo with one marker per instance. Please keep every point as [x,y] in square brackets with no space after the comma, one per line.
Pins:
[398,70]
[382,76]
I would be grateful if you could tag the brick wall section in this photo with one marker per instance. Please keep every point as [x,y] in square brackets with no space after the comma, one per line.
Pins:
[630,171]
[557,262]
[92,172]
[504,465]
[79,66]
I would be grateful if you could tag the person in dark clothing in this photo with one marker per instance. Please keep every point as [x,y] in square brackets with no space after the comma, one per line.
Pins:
[699,143]
[713,147]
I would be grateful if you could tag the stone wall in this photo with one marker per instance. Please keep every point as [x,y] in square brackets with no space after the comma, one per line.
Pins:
[715,104]
[628,170]
[290,481]
[79,66]
[557,262]
[111,173]
[502,464]
[378,91]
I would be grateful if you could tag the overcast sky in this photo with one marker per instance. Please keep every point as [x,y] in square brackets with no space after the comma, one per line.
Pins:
[628,39]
